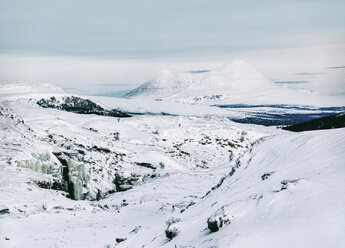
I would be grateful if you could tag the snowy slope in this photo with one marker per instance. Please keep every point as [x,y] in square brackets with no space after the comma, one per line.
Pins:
[295,198]
[292,199]
[148,174]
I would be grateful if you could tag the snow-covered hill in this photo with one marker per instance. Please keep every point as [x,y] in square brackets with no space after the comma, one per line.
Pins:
[234,83]
[237,76]
[186,177]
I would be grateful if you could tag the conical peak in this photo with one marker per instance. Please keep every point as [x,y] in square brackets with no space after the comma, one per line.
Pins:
[233,77]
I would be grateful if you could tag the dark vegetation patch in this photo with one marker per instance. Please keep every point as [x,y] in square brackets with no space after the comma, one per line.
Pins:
[328,122]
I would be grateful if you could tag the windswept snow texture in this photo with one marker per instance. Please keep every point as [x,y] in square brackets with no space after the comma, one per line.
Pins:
[188,178]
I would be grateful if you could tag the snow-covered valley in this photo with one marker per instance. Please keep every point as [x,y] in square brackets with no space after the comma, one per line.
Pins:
[169,172]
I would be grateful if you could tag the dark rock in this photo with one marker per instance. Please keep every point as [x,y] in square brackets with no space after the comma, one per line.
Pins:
[116,136]
[188,206]
[162,165]
[57,152]
[214,224]
[124,183]
[119,240]
[58,207]
[93,130]
[136,229]
[53,184]
[266,176]
[217,220]
[172,231]
[285,183]
[67,182]
[4,211]
[147,165]
[101,149]
[124,203]
[65,175]
[81,152]
[124,187]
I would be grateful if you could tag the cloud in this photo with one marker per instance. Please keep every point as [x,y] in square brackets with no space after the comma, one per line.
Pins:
[160,28]
[85,73]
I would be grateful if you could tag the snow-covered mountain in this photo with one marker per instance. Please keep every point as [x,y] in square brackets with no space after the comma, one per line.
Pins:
[234,83]
[236,77]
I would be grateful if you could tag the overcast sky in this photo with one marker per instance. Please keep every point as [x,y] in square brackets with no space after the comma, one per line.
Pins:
[83,43]
[151,28]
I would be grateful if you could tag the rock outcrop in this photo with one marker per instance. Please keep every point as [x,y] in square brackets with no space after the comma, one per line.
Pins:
[173,228]
[217,220]
[79,105]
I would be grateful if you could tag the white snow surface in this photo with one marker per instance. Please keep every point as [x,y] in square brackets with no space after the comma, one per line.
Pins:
[15,88]
[234,83]
[274,188]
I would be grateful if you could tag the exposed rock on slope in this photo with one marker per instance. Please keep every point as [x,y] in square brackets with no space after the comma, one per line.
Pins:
[74,176]
[217,220]
[79,105]
[23,148]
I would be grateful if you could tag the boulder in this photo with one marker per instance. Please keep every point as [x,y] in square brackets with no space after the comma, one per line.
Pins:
[217,220]
[172,230]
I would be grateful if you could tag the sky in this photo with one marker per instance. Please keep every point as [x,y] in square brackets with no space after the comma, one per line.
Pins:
[148,35]
[150,28]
